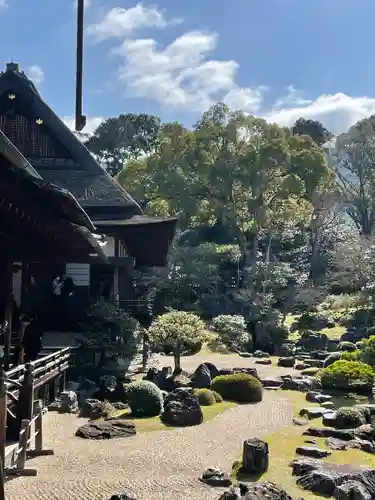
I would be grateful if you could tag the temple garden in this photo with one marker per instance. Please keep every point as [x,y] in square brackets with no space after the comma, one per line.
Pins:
[297,424]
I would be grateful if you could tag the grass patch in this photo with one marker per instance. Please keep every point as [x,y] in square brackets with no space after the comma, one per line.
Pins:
[282,446]
[155,424]
[332,333]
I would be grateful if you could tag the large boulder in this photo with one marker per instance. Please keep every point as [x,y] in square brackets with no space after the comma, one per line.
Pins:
[286,362]
[181,409]
[265,491]
[255,456]
[94,409]
[109,429]
[329,479]
[201,378]
[68,402]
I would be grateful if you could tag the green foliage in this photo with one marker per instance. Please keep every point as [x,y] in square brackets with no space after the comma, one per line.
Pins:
[351,355]
[332,358]
[347,346]
[232,332]
[218,398]
[367,351]
[144,398]
[176,327]
[350,417]
[205,397]
[313,128]
[124,137]
[239,387]
[347,375]
[107,331]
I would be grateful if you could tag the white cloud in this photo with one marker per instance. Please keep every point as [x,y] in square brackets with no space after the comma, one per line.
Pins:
[92,123]
[120,22]
[182,74]
[36,74]
[337,112]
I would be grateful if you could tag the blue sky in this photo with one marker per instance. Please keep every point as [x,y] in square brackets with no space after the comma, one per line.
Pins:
[280,59]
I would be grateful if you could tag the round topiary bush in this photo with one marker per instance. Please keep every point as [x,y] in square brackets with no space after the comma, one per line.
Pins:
[332,358]
[144,398]
[349,418]
[239,387]
[218,398]
[205,397]
[347,346]
[348,375]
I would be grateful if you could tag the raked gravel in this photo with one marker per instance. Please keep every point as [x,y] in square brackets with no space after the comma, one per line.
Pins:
[154,466]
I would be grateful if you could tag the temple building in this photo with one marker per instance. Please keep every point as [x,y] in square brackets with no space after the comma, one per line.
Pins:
[133,239]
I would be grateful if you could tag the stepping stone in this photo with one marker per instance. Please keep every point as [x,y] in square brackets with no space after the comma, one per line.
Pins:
[263,361]
[328,405]
[311,396]
[323,398]
[312,452]
[311,413]
[300,421]
[329,419]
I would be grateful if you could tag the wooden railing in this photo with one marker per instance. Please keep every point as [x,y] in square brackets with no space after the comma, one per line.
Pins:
[18,388]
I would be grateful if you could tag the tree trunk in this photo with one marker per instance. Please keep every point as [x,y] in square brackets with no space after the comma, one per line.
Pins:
[177,358]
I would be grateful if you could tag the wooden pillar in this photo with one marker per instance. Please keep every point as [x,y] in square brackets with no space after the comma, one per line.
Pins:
[26,395]
[116,274]
[3,417]
[8,285]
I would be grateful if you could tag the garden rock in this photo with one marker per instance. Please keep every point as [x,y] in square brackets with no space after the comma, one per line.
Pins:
[287,362]
[369,407]
[300,421]
[328,405]
[250,371]
[311,396]
[107,430]
[352,490]
[323,398]
[311,413]
[182,409]
[123,496]
[255,456]
[261,354]
[361,444]
[291,383]
[271,382]
[94,409]
[214,371]
[265,491]
[300,366]
[312,452]
[201,378]
[216,477]
[329,418]
[68,402]
[326,479]
[264,361]
[344,434]
[365,431]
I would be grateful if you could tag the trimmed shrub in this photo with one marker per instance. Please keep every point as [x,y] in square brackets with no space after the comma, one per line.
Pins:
[347,346]
[205,397]
[345,375]
[332,358]
[144,398]
[349,418]
[351,356]
[239,387]
[232,332]
[218,398]
[367,353]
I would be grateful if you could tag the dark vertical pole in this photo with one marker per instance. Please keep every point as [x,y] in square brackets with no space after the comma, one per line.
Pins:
[8,312]
[80,119]
[3,424]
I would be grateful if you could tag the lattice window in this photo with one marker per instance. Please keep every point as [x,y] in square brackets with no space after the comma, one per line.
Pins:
[33,140]
[27,132]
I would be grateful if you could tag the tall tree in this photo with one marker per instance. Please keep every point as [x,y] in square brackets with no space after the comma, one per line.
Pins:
[313,128]
[355,169]
[124,137]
